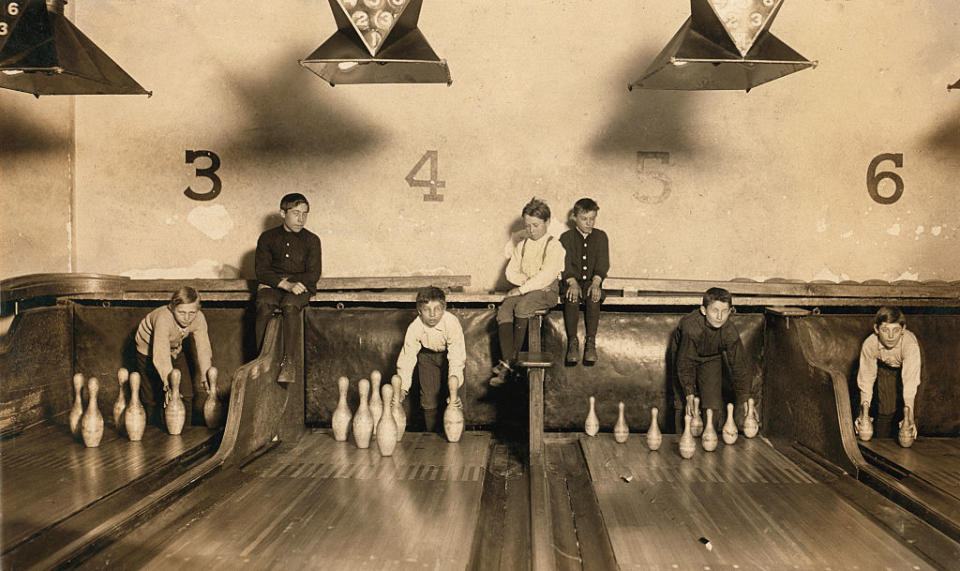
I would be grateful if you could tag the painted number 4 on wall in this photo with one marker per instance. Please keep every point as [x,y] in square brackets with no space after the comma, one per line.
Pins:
[432,183]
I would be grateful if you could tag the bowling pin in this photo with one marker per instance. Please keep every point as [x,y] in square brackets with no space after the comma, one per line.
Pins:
[387,430]
[592,425]
[687,444]
[709,439]
[751,426]
[453,415]
[77,411]
[696,423]
[341,415]
[376,404]
[863,426]
[654,437]
[363,420]
[908,429]
[121,404]
[620,430]
[399,416]
[91,423]
[213,412]
[174,412]
[730,432]
[135,417]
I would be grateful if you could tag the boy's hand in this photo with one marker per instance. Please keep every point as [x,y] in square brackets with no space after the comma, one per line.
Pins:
[514,292]
[594,292]
[573,292]
[298,288]
[689,409]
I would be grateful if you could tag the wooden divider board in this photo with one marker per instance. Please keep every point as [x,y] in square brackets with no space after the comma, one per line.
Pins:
[934,460]
[756,508]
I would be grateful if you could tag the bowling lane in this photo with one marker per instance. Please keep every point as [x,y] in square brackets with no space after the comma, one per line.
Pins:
[754,506]
[47,475]
[936,461]
[322,504]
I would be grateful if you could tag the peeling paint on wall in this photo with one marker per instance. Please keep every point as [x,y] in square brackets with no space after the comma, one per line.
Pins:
[214,221]
[894,230]
[201,269]
[909,276]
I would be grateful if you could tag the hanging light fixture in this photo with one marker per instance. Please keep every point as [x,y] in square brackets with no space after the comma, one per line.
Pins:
[43,53]
[955,85]
[377,41]
[725,44]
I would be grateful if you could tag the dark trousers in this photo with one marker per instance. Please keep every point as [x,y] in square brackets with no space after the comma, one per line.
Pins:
[710,391]
[151,388]
[271,299]
[571,312]
[888,399]
[514,314]
[431,372]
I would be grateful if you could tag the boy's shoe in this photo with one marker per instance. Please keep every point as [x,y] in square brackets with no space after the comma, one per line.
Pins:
[573,350]
[590,351]
[500,373]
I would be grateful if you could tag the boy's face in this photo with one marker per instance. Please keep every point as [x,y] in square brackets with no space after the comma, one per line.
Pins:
[431,312]
[585,221]
[536,227]
[889,333]
[294,218]
[185,313]
[716,313]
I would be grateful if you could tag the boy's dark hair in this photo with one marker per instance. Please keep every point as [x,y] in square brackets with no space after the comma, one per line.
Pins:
[431,293]
[293,200]
[717,294]
[538,208]
[185,294]
[889,314]
[585,205]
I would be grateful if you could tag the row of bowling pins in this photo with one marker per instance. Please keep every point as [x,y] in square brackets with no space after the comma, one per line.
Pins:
[382,414]
[906,434]
[88,423]
[693,426]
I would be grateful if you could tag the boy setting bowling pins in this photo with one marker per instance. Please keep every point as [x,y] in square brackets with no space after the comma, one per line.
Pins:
[535,265]
[434,343]
[288,262]
[705,338]
[587,263]
[890,354]
[159,338]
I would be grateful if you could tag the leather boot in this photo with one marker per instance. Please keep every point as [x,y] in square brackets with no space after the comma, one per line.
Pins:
[590,350]
[573,350]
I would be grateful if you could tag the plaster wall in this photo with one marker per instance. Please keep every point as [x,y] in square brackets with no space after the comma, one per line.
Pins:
[764,184]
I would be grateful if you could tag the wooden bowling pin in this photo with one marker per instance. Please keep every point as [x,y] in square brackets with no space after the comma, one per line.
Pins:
[751,426]
[730,432]
[363,420]
[620,430]
[453,415]
[687,443]
[863,426]
[135,417]
[387,430]
[654,437]
[908,429]
[121,404]
[696,422]
[341,415]
[213,412]
[709,439]
[376,403]
[91,423]
[592,425]
[174,412]
[77,411]
[399,416]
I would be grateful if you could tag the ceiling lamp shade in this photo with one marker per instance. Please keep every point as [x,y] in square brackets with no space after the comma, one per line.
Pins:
[377,41]
[725,44]
[43,53]
[955,85]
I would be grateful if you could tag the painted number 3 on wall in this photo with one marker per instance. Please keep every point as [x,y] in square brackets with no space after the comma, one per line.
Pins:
[209,172]
[874,178]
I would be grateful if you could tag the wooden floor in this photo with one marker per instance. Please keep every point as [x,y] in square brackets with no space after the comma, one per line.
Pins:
[934,460]
[743,506]
[47,475]
[322,504]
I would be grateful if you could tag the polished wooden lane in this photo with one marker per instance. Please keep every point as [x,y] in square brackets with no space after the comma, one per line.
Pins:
[744,506]
[322,504]
[47,475]
[934,460]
